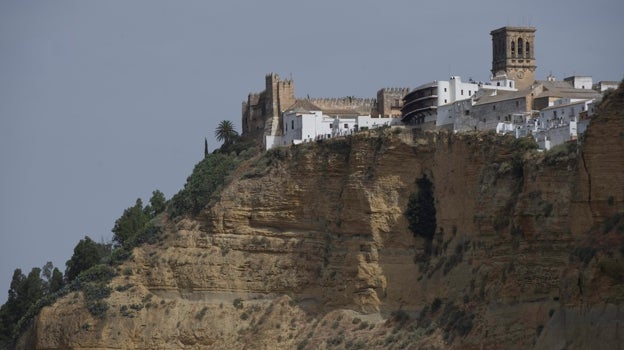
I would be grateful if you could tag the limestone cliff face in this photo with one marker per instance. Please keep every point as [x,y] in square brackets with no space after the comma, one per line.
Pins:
[308,246]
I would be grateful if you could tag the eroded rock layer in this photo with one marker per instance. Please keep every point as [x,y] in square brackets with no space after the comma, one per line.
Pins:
[309,247]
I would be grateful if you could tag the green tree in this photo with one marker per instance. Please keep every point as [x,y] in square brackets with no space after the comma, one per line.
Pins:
[205,181]
[52,278]
[87,253]
[205,147]
[13,309]
[24,292]
[56,281]
[32,289]
[225,132]
[130,223]
[158,204]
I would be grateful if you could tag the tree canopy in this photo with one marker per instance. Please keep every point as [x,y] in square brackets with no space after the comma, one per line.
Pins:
[158,204]
[225,132]
[87,254]
[130,223]
[24,295]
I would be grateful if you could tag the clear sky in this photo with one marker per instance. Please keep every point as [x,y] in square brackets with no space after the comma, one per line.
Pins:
[102,102]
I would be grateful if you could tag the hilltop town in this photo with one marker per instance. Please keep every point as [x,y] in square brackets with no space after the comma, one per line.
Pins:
[513,101]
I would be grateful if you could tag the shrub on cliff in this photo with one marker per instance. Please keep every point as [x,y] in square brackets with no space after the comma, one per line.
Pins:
[561,153]
[205,182]
[130,223]
[87,254]
[421,211]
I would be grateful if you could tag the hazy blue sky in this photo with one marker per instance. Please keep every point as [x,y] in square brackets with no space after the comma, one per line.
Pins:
[102,102]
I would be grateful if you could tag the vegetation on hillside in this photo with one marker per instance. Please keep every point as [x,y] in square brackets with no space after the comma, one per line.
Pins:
[91,265]
[27,294]
[225,132]
[212,172]
[89,270]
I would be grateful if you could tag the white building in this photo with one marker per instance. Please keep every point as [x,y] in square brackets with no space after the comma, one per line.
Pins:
[432,106]
[603,86]
[565,120]
[301,125]
[580,82]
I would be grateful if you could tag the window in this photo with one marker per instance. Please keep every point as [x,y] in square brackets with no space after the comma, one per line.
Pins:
[528,51]
[498,83]
[469,93]
[444,89]
[520,47]
[493,107]
[462,92]
[346,126]
[467,112]
[517,103]
[513,49]
[444,100]
[292,124]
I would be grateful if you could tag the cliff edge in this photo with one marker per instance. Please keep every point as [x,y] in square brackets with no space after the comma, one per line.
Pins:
[308,247]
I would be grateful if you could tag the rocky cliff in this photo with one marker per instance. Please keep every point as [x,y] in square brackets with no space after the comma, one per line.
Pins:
[309,247]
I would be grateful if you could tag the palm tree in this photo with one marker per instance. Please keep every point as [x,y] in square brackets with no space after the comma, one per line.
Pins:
[225,132]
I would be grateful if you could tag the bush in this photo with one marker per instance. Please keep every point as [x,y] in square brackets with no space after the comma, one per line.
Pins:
[302,344]
[455,321]
[98,273]
[204,183]
[400,316]
[125,287]
[561,153]
[149,234]
[98,308]
[87,254]
[238,303]
[95,291]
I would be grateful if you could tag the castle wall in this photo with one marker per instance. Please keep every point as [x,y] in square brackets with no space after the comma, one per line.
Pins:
[262,112]
[363,106]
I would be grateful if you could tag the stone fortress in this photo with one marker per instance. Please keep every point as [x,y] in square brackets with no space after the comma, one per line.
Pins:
[513,101]
[262,112]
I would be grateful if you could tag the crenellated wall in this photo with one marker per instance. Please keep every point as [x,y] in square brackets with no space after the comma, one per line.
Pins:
[261,113]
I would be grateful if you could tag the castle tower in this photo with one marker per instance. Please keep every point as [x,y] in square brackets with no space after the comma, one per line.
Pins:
[513,54]
[280,94]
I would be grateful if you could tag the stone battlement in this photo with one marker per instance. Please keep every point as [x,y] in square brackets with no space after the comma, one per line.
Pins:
[396,90]
[343,102]
[261,113]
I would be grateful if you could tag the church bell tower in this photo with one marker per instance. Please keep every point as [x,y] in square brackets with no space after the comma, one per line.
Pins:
[513,54]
